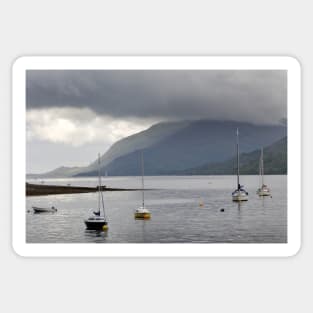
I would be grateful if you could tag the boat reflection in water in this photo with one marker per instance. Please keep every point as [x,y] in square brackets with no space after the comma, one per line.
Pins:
[97,236]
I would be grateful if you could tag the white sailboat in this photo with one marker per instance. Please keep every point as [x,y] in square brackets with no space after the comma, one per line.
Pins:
[239,194]
[142,212]
[263,190]
[98,221]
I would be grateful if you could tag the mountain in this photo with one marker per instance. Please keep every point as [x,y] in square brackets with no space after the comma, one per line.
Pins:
[176,146]
[62,171]
[172,147]
[139,141]
[275,162]
[122,147]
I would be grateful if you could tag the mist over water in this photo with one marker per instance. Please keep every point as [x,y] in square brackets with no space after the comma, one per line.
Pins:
[177,216]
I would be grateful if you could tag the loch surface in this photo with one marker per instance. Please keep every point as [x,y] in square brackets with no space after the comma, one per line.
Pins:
[184,209]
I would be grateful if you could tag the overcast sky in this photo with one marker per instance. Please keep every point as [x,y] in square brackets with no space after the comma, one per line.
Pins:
[75,114]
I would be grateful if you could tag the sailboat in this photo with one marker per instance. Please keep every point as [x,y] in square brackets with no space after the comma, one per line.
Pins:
[97,221]
[142,212]
[263,190]
[239,194]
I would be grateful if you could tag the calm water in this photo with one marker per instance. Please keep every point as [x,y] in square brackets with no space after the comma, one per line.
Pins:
[176,213]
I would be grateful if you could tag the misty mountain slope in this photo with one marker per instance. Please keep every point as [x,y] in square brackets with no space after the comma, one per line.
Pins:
[198,143]
[275,162]
[137,141]
[124,146]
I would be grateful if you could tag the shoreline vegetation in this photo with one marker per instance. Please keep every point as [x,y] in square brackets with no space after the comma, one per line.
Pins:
[45,190]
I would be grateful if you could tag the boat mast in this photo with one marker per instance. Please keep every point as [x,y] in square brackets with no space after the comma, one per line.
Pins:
[238,184]
[260,169]
[99,182]
[262,166]
[99,188]
[142,181]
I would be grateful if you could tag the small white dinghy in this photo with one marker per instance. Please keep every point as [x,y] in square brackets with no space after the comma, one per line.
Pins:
[44,210]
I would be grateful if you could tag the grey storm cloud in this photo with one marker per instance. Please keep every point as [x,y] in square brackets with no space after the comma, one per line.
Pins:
[245,95]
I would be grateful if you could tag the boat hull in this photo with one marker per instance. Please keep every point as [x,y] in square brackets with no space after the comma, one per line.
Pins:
[44,210]
[144,216]
[96,225]
[263,193]
[240,198]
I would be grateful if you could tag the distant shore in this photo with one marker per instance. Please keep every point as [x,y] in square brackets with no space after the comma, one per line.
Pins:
[44,190]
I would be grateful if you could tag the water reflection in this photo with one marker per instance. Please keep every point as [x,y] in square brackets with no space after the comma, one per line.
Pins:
[97,236]
[239,205]
[143,230]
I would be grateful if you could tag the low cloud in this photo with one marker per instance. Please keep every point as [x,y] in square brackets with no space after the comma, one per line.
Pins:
[257,96]
[77,127]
